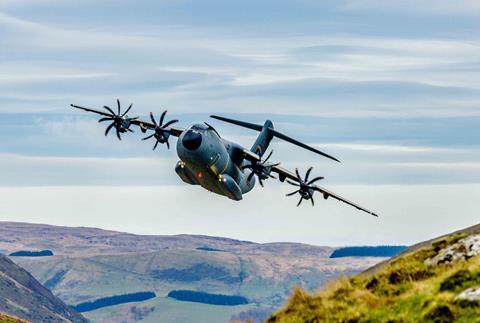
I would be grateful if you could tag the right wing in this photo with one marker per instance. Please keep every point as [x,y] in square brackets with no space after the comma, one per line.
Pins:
[286,174]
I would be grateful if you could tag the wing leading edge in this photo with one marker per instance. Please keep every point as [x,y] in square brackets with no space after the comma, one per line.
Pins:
[286,174]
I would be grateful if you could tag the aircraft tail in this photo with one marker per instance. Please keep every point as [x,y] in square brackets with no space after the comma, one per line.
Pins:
[266,135]
[263,139]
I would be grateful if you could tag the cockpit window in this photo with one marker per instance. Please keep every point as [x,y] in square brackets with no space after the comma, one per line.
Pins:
[192,139]
[199,127]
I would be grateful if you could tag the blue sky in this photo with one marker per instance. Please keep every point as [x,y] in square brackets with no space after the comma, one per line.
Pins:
[390,88]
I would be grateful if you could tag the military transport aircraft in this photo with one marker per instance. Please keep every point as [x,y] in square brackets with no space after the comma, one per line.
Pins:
[217,164]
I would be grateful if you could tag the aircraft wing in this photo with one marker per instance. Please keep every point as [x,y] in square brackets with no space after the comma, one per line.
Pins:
[286,174]
[91,110]
[143,125]
[174,131]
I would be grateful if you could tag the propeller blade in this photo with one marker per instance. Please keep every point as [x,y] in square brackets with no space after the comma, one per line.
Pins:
[109,110]
[126,111]
[269,155]
[293,193]
[298,175]
[168,145]
[118,134]
[118,106]
[261,182]
[292,183]
[155,146]
[108,128]
[311,198]
[300,202]
[148,137]
[105,119]
[162,117]
[169,123]
[153,120]
[315,179]
[308,173]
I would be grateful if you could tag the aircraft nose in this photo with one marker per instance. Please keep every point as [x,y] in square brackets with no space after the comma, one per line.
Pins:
[192,140]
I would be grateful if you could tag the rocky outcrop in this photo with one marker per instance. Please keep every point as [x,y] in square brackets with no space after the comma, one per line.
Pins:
[471,294]
[464,249]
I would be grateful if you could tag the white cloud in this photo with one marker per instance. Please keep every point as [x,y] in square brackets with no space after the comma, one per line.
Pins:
[384,148]
[421,7]
[465,166]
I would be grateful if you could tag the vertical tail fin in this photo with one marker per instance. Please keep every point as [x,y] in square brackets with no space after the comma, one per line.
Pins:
[263,139]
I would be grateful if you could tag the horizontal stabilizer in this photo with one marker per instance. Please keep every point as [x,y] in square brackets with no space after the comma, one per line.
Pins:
[274,133]
[244,124]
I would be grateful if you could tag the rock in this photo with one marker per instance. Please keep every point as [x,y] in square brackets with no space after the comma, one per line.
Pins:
[470,294]
[461,250]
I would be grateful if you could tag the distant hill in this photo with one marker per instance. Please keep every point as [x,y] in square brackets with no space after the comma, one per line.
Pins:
[90,264]
[24,297]
[368,251]
[433,281]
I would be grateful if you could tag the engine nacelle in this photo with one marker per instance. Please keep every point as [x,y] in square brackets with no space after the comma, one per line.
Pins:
[230,188]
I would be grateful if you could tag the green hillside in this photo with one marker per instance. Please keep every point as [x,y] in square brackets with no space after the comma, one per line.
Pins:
[9,319]
[436,281]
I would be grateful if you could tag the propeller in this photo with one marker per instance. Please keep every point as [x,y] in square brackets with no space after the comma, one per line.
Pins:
[305,186]
[120,121]
[162,133]
[261,168]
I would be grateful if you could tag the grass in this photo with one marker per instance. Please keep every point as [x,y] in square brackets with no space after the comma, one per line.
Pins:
[168,310]
[9,319]
[405,290]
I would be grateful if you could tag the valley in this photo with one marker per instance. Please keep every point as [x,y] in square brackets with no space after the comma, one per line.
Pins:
[88,264]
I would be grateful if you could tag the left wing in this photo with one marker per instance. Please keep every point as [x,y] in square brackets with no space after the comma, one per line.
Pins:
[286,174]
[143,125]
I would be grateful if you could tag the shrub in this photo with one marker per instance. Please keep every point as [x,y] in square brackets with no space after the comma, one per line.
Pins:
[113,300]
[206,298]
[26,253]
[367,251]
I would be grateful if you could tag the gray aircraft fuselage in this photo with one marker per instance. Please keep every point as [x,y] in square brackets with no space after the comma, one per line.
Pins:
[212,162]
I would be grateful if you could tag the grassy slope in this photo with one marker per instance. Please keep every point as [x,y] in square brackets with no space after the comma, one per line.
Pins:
[9,319]
[402,290]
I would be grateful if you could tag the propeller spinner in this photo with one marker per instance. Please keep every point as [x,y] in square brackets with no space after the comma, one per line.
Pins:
[162,133]
[120,120]
[261,168]
[305,187]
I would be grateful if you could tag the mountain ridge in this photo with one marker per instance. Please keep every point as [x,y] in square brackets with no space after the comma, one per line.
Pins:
[22,296]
